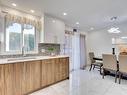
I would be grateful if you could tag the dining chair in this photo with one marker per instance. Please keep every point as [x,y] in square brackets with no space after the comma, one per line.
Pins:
[110,64]
[122,66]
[94,63]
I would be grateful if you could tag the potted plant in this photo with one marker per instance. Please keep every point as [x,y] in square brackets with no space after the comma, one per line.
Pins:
[51,50]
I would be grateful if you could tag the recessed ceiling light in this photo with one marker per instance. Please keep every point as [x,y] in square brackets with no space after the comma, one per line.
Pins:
[13,4]
[114,30]
[53,21]
[64,14]
[91,28]
[77,22]
[32,11]
[113,18]
[124,37]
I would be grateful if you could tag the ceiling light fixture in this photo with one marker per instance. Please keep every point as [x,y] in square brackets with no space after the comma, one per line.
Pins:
[53,21]
[123,37]
[91,28]
[13,4]
[64,14]
[32,11]
[114,30]
[77,23]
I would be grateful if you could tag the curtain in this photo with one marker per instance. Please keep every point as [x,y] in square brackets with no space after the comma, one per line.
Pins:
[68,47]
[82,51]
[76,51]
[24,20]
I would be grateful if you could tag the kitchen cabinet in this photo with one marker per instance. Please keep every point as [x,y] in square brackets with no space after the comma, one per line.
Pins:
[2,78]
[32,73]
[47,72]
[13,75]
[54,70]
[54,32]
[22,78]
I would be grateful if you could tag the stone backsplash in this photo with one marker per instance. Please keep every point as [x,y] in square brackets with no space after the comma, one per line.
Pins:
[48,49]
[44,49]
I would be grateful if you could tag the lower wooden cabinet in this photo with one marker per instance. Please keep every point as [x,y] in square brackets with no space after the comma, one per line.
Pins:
[48,72]
[25,77]
[18,78]
[32,77]
[54,70]
[2,82]
[57,70]
[9,79]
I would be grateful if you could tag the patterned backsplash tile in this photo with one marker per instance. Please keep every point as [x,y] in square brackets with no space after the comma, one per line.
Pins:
[44,49]
[48,48]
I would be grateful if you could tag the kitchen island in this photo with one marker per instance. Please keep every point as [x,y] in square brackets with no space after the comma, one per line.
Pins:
[23,76]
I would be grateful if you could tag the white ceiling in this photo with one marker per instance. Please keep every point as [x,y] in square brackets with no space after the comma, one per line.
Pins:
[89,13]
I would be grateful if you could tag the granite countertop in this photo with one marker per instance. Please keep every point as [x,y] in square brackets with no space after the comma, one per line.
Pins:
[30,58]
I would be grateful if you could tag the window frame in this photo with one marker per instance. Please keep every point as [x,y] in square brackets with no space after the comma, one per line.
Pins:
[20,51]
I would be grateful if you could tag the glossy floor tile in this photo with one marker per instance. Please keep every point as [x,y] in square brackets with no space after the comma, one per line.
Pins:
[83,82]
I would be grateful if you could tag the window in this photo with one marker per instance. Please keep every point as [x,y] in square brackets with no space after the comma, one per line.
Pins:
[18,36]
[29,37]
[13,37]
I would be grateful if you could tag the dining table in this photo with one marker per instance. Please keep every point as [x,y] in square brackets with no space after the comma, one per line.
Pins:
[98,58]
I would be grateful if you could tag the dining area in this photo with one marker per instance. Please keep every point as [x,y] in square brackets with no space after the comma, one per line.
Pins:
[110,64]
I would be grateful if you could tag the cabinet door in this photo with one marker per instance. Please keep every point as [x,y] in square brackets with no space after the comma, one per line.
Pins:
[67,67]
[57,70]
[14,79]
[64,68]
[2,85]
[18,78]
[32,76]
[9,81]
[48,72]
[43,73]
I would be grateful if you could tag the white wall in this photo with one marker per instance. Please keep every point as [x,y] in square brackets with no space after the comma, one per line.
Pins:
[41,36]
[53,31]
[2,23]
[100,41]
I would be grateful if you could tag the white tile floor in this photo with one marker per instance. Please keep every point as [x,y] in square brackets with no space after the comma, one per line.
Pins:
[86,83]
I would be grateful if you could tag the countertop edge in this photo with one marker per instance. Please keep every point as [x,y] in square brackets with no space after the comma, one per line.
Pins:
[37,58]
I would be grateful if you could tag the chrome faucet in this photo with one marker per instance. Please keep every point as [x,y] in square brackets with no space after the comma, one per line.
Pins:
[23,51]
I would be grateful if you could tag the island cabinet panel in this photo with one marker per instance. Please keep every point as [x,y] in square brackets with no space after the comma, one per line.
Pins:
[2,84]
[32,76]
